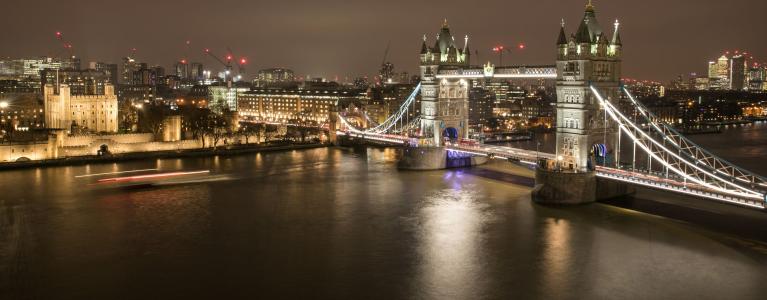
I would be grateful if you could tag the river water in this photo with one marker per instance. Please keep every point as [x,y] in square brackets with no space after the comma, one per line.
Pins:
[338,223]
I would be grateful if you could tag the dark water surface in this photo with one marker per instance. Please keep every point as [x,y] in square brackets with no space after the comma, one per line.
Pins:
[343,223]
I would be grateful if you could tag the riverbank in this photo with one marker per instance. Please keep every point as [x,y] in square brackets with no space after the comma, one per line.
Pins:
[223,151]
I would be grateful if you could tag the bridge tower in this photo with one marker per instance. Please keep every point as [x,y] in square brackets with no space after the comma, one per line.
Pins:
[585,137]
[444,102]
[587,58]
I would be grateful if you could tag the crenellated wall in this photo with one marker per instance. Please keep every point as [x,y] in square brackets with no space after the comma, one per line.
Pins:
[61,145]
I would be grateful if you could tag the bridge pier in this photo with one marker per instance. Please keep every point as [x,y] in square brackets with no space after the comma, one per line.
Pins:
[557,187]
[435,158]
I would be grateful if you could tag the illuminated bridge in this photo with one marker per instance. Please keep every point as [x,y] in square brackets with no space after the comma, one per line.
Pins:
[674,163]
[589,162]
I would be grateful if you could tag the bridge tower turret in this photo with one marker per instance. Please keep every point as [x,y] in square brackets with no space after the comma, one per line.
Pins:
[444,102]
[585,138]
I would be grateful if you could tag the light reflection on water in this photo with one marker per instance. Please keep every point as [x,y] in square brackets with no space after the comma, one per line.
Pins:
[344,223]
[449,242]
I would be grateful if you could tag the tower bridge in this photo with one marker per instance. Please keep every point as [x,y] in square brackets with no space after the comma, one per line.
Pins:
[588,163]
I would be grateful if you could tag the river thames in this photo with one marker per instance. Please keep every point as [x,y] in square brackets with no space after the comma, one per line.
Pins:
[340,223]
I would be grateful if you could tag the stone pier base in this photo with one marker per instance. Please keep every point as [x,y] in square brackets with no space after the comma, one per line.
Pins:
[564,188]
[575,188]
[435,158]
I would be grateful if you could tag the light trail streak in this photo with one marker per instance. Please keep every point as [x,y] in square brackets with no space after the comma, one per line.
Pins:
[151,176]
[114,173]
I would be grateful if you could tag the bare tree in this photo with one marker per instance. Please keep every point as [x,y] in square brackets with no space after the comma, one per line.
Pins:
[151,118]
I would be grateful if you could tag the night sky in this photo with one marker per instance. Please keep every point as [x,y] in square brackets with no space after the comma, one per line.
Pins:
[662,38]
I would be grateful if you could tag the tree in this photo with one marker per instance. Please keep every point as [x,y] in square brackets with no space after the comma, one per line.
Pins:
[303,131]
[151,118]
[252,129]
[128,116]
[271,131]
[196,121]
[215,128]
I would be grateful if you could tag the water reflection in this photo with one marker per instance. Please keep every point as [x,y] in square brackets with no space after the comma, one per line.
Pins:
[557,255]
[345,224]
[450,238]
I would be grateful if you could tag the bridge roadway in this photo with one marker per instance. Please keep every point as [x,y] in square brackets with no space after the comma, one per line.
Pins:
[639,177]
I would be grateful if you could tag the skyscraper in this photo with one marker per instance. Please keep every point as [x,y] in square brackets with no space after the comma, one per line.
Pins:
[130,65]
[109,69]
[737,72]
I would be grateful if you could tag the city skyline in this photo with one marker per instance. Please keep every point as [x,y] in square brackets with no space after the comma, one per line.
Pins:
[325,40]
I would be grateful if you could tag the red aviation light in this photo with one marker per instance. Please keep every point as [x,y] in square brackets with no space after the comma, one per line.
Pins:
[228,57]
[183,61]
[243,61]
[521,46]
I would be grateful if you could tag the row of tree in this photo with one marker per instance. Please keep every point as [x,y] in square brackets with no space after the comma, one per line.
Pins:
[214,129]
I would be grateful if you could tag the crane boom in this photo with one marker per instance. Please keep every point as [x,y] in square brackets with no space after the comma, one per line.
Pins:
[386,53]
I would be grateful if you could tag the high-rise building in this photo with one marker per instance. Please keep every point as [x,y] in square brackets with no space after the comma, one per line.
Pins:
[719,73]
[130,65]
[159,71]
[737,72]
[386,74]
[79,82]
[144,76]
[195,72]
[756,78]
[182,70]
[109,69]
[224,98]
[713,70]
[21,111]
[275,77]
[481,103]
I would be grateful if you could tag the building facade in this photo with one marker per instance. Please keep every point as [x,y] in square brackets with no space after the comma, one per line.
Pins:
[285,106]
[90,113]
[275,77]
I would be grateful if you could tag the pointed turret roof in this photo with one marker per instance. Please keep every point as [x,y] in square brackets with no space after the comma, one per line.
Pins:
[424,49]
[562,36]
[617,35]
[444,39]
[583,35]
[590,24]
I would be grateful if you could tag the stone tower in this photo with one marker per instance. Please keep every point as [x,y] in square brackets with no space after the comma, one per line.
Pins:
[444,102]
[587,58]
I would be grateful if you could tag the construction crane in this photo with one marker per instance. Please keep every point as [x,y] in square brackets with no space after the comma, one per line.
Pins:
[386,68]
[66,46]
[227,63]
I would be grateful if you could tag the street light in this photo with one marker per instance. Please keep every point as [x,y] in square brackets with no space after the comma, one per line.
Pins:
[4,104]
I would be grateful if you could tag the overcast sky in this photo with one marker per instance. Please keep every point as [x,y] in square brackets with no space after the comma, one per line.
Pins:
[662,38]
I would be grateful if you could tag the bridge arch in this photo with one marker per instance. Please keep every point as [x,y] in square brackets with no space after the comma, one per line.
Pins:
[450,133]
